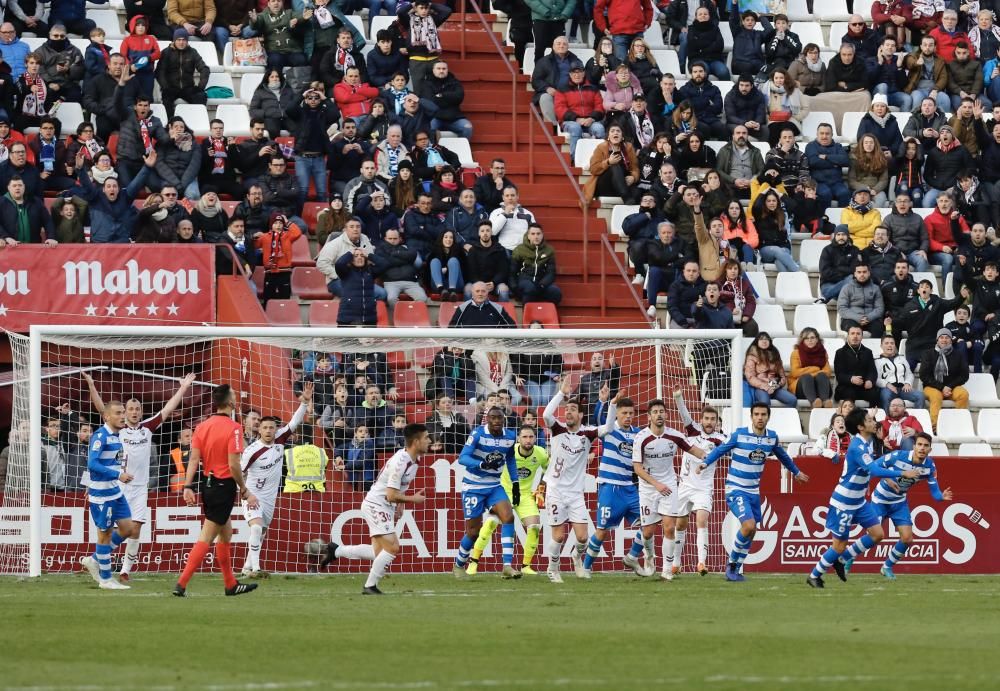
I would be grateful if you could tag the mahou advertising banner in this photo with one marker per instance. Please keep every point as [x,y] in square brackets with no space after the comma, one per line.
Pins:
[960,536]
[106,284]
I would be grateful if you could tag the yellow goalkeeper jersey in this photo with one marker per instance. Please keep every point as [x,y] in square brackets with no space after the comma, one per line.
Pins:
[527,467]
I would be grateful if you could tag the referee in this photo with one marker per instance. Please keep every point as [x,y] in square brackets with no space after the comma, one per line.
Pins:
[217,445]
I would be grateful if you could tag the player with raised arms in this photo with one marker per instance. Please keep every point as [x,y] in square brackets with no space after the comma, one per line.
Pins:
[890,497]
[653,453]
[848,505]
[383,506]
[617,493]
[216,448]
[748,449]
[261,463]
[531,460]
[137,441]
[108,506]
[695,490]
[569,450]
[487,451]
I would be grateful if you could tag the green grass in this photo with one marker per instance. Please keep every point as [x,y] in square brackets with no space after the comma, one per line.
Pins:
[433,632]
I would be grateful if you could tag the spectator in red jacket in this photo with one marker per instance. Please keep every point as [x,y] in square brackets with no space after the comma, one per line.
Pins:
[353,97]
[580,108]
[948,35]
[945,227]
[899,428]
[625,20]
[276,247]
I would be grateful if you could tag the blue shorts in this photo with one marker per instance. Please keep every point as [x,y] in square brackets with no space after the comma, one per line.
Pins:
[840,522]
[106,513]
[475,502]
[899,513]
[615,503]
[744,506]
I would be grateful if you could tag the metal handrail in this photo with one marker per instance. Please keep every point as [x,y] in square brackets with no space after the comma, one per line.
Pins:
[609,250]
[503,56]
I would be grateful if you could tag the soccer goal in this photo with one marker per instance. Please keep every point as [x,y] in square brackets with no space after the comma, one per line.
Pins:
[388,376]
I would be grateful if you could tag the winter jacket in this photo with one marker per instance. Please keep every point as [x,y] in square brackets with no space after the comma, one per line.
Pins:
[375,224]
[447,94]
[958,369]
[487,264]
[796,370]
[421,231]
[989,157]
[922,321]
[311,125]
[551,73]
[853,362]
[551,10]
[579,101]
[710,254]
[279,34]
[195,12]
[335,249]
[759,373]
[112,221]
[411,124]
[837,262]
[741,109]
[255,218]
[706,100]
[829,170]
[59,155]
[943,231]
[738,294]
[917,123]
[13,54]
[681,299]
[966,132]
[176,167]
[265,105]
[509,229]
[704,42]
[713,317]
[965,76]
[177,69]
[135,47]
[95,60]
[724,161]
[615,93]
[888,136]
[345,165]
[51,56]
[985,298]
[285,241]
[354,101]
[683,218]
[857,178]
[865,45]
[942,168]
[896,294]
[748,46]
[232,11]
[855,76]
[537,263]
[397,262]
[466,223]
[99,95]
[861,226]
[805,77]
[401,29]
[793,165]
[326,37]
[250,162]
[976,257]
[946,42]
[939,73]
[469,315]
[29,173]
[359,187]
[39,220]
[881,261]
[281,193]
[381,67]
[208,157]
[623,16]
[331,72]
[982,206]
[641,226]
[780,52]
[357,297]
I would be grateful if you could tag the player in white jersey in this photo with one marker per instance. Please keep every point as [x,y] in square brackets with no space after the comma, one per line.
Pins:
[137,443]
[569,450]
[653,454]
[261,464]
[382,507]
[695,490]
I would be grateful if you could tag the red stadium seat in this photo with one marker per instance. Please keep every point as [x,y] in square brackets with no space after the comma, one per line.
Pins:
[542,312]
[407,387]
[382,314]
[309,284]
[415,315]
[310,212]
[229,207]
[300,252]
[113,145]
[417,413]
[510,309]
[445,312]
[258,280]
[284,313]
[323,312]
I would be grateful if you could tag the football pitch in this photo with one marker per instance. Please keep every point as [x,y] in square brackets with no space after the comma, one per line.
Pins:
[434,632]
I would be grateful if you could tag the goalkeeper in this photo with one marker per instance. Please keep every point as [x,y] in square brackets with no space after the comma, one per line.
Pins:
[531,461]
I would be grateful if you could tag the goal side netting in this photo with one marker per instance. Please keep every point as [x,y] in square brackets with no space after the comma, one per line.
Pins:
[368,384]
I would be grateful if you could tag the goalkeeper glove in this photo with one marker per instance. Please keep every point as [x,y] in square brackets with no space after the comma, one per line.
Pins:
[491,465]
[515,494]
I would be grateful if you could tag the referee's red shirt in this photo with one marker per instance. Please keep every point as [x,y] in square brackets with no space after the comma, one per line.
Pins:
[216,438]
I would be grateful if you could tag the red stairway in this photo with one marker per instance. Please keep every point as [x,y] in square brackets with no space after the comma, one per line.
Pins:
[596,290]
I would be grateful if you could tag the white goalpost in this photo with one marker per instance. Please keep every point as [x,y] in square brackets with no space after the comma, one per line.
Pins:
[367,383]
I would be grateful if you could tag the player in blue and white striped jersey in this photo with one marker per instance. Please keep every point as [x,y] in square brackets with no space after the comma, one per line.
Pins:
[890,496]
[486,452]
[748,449]
[108,505]
[617,493]
[848,505]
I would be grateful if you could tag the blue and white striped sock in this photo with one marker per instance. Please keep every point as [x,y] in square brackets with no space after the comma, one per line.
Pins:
[102,553]
[740,549]
[825,562]
[861,546]
[464,548]
[594,551]
[638,544]
[507,543]
[116,539]
[897,553]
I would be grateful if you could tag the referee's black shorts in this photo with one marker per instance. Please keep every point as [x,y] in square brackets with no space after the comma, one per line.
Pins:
[218,497]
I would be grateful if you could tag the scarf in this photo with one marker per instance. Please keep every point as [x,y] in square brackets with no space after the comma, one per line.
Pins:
[496,371]
[344,60]
[4,152]
[424,32]
[277,252]
[881,121]
[323,17]
[450,186]
[91,148]
[208,211]
[970,193]
[947,147]
[393,160]
[147,140]
[185,141]
[814,66]
[643,128]
[34,104]
[23,225]
[160,215]
[397,97]
[47,154]
[101,175]
[736,288]
[861,208]
[219,155]
[941,366]
[812,357]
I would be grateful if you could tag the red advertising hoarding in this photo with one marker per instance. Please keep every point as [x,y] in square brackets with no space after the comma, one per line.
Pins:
[106,284]
[951,537]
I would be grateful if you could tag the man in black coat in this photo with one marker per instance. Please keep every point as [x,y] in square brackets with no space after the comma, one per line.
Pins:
[854,368]
[487,263]
[479,312]
[99,95]
[550,74]
[489,187]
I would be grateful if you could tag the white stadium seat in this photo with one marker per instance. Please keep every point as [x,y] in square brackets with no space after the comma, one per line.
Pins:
[225,80]
[70,114]
[208,53]
[816,316]
[460,146]
[837,31]
[653,36]
[715,145]
[819,420]
[849,126]
[584,150]
[383,21]
[809,32]
[667,61]
[107,20]
[771,318]
[939,449]
[195,117]
[758,279]
[923,417]
[159,111]
[989,425]
[784,421]
[793,288]
[237,119]
[785,346]
[982,391]
[809,252]
[248,84]
[955,426]
[832,11]
[919,276]
[618,216]
[975,449]
[814,120]
[833,213]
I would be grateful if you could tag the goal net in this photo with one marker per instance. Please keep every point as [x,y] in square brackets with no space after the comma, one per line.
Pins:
[368,384]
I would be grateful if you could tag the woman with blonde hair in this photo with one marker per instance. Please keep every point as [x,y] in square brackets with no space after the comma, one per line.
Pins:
[643,65]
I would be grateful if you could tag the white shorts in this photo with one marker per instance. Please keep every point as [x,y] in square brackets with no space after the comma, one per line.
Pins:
[653,506]
[692,499]
[381,518]
[264,510]
[137,497]
[563,507]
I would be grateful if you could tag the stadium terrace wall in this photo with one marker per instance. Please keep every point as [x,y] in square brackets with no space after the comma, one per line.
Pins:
[953,537]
